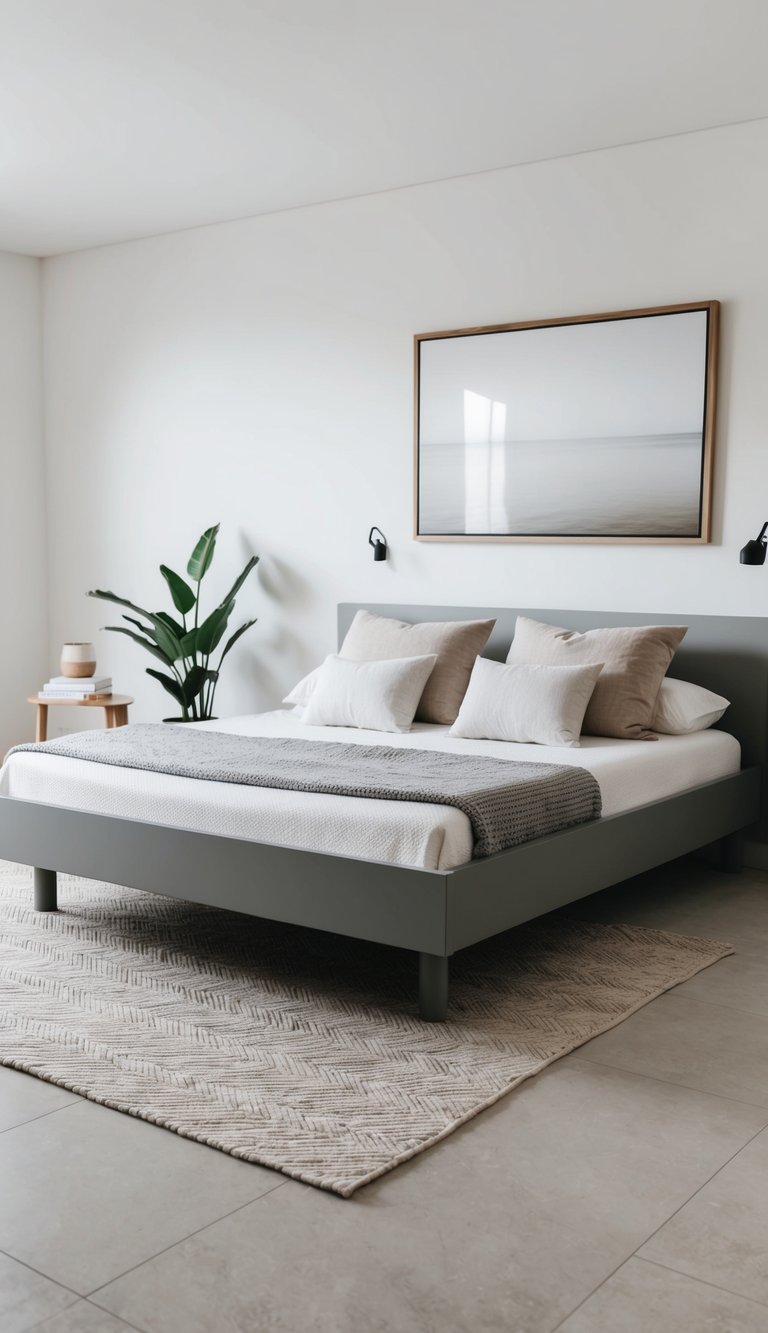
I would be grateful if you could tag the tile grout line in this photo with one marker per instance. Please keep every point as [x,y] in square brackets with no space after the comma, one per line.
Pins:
[656,1263]
[717,1004]
[40,1328]
[635,1253]
[86,1296]
[182,1239]
[39,1273]
[670,1083]
[43,1114]
[128,1322]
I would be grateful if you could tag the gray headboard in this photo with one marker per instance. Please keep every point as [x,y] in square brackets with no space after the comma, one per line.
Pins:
[727,654]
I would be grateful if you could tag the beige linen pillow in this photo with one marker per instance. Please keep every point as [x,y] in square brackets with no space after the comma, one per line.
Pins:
[543,705]
[456,643]
[634,659]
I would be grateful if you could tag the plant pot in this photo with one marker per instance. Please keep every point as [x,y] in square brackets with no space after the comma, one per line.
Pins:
[190,719]
[78,660]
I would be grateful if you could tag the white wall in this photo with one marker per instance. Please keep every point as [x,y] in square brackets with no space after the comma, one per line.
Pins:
[259,373]
[23,594]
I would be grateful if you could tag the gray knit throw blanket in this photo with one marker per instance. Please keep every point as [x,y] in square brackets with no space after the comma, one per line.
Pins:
[506,801]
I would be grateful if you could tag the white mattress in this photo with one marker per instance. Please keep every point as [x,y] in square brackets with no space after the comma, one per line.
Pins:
[435,837]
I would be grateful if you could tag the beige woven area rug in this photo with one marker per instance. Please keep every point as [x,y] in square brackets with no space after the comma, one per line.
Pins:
[293,1048]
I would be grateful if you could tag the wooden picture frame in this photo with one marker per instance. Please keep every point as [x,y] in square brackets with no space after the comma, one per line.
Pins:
[586,428]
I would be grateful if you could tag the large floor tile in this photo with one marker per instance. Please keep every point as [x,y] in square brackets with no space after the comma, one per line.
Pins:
[721,1236]
[641,1296]
[26,1298]
[691,898]
[87,1193]
[84,1318]
[739,982]
[506,1225]
[699,1045]
[23,1097]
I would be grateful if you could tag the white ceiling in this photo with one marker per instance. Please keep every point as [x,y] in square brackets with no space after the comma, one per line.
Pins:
[126,118]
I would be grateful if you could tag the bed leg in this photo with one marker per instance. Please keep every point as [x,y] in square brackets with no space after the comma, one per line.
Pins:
[433,987]
[731,858]
[45,890]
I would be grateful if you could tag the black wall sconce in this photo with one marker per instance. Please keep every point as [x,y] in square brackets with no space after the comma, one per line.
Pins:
[754,552]
[379,544]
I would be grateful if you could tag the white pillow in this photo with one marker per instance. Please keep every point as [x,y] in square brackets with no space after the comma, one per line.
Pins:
[301,694]
[380,696]
[528,703]
[683,707]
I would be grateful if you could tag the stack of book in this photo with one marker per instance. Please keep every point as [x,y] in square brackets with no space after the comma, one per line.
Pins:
[69,687]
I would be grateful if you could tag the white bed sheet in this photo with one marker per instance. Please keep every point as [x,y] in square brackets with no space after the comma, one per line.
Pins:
[435,837]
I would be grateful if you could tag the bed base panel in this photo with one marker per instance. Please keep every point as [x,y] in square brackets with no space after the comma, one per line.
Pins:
[431,912]
[554,871]
[370,900]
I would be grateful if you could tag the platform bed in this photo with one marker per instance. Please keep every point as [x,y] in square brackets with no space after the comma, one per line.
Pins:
[432,912]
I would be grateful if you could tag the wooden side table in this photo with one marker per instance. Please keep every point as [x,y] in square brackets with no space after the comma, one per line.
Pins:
[115,710]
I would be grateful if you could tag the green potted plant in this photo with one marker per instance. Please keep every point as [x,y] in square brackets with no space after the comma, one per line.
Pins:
[186,646]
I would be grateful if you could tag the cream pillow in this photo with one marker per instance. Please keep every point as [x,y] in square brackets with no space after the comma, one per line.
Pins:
[456,644]
[301,693]
[540,704]
[379,696]
[683,707]
[634,659]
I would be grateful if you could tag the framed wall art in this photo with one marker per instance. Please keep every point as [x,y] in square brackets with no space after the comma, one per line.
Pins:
[594,428]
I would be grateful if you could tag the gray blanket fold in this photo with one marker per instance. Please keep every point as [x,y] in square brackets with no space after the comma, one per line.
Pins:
[507,802]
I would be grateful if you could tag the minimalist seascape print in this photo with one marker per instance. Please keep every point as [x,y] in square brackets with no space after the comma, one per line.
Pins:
[592,429]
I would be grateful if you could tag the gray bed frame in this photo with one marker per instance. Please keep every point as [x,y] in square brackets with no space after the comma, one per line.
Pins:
[433,912]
